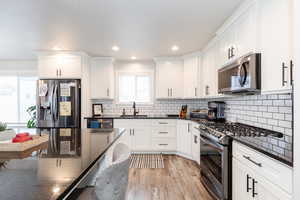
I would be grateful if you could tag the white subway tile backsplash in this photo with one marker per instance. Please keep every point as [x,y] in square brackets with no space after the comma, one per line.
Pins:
[273,112]
[278,116]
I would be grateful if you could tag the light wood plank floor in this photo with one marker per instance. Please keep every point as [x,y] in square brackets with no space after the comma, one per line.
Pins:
[179,180]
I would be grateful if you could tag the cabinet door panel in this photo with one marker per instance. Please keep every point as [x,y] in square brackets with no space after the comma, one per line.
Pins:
[246,33]
[275,39]
[141,139]
[226,43]
[240,177]
[102,79]
[47,67]
[70,67]
[209,72]
[191,77]
[265,190]
[168,74]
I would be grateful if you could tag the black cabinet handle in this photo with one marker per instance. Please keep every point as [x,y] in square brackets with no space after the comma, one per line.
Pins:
[283,74]
[291,72]
[232,50]
[163,144]
[256,163]
[162,132]
[253,188]
[229,54]
[163,122]
[207,90]
[248,178]
[195,139]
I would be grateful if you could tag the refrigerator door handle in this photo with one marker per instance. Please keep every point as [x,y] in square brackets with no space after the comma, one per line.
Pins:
[55,102]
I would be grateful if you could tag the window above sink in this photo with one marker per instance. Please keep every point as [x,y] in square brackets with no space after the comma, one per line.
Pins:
[134,87]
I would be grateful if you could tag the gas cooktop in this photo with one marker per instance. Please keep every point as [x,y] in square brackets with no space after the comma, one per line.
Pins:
[220,130]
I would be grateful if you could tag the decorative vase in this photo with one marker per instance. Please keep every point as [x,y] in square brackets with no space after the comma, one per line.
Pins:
[7,135]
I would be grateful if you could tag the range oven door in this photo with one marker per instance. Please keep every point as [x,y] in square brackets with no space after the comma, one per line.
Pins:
[214,167]
[243,75]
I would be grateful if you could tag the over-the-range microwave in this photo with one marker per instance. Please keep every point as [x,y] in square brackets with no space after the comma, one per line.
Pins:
[241,76]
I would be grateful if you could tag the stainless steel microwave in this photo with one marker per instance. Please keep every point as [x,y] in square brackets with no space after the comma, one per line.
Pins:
[241,76]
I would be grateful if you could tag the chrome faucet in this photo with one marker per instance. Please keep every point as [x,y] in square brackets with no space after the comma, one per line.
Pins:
[134,109]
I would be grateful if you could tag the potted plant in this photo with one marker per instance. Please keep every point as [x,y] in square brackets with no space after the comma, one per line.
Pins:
[6,134]
[32,113]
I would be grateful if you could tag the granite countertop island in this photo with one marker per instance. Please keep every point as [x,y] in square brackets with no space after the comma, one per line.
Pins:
[52,169]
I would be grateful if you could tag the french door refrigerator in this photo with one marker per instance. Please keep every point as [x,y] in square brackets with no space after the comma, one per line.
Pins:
[58,103]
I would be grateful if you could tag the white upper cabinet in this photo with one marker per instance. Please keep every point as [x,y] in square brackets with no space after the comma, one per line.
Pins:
[168,78]
[275,24]
[238,36]
[227,46]
[191,77]
[102,78]
[60,65]
[209,78]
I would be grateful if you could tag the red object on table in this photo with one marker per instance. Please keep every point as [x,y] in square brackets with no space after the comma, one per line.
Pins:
[22,134]
[21,137]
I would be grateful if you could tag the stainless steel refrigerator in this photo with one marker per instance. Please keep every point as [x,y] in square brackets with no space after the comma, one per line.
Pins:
[58,103]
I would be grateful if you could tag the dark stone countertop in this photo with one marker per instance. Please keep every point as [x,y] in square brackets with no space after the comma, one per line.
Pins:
[135,117]
[260,144]
[50,170]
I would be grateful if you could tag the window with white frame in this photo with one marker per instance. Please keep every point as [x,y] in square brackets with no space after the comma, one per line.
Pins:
[136,87]
[17,93]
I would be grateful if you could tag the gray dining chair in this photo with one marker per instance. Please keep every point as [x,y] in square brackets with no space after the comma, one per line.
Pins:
[111,182]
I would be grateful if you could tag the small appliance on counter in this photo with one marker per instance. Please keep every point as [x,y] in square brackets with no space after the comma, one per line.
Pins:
[199,114]
[183,112]
[216,111]
[94,122]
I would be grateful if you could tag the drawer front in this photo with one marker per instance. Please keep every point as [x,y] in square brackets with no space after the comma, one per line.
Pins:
[164,132]
[274,171]
[132,123]
[164,122]
[164,144]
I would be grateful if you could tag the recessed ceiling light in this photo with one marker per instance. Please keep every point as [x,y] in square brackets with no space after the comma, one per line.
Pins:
[175,48]
[133,58]
[115,48]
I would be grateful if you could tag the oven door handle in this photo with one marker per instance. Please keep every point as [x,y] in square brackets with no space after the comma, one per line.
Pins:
[217,145]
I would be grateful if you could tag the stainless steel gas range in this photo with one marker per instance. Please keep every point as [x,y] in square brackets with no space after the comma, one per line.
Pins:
[216,153]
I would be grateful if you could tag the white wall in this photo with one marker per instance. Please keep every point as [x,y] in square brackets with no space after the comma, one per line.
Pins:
[19,66]
[135,66]
[296,42]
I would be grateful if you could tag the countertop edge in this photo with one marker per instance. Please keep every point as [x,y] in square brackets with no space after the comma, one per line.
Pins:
[71,187]
[286,162]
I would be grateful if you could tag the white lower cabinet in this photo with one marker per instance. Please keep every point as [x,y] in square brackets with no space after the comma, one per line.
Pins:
[195,143]
[161,135]
[256,176]
[141,138]
[138,133]
[184,138]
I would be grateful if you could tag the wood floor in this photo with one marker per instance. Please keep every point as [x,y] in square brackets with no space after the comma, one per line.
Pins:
[179,180]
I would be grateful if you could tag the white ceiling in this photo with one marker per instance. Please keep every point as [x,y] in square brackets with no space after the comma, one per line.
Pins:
[144,28]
